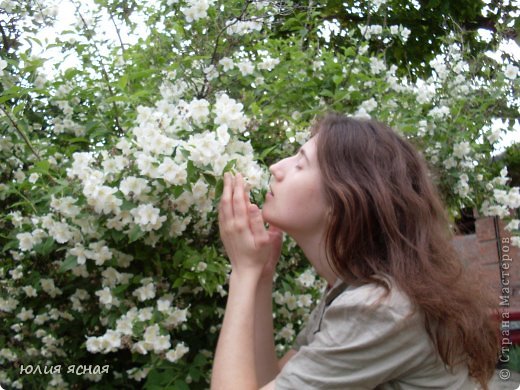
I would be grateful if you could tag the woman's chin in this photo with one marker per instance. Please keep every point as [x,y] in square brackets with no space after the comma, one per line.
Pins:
[267,216]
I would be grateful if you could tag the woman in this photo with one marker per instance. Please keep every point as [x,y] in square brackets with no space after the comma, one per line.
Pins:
[400,311]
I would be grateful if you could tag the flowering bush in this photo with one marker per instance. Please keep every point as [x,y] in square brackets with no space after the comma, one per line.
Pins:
[112,170]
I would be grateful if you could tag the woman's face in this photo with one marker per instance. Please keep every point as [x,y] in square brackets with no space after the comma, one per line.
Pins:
[296,201]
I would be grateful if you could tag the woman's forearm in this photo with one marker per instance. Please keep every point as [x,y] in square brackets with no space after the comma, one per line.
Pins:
[266,360]
[234,365]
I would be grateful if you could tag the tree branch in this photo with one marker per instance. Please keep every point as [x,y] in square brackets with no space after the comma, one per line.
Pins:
[104,73]
[20,131]
[117,32]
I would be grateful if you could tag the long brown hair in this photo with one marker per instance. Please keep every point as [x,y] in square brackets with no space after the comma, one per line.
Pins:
[386,217]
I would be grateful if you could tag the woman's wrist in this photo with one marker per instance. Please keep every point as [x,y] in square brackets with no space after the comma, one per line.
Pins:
[266,282]
[246,277]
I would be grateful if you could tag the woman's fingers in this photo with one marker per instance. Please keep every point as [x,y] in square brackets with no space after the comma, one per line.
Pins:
[257,225]
[225,213]
[239,204]
[236,213]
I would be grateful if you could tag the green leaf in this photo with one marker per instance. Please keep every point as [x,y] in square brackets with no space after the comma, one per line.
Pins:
[45,247]
[192,171]
[210,179]
[42,166]
[135,234]
[69,263]
[267,152]
[119,289]
[123,81]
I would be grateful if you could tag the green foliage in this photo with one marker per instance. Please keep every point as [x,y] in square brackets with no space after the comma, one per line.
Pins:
[111,170]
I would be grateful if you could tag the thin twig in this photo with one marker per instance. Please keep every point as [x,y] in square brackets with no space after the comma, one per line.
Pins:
[27,200]
[103,71]
[117,32]
[205,87]
[20,131]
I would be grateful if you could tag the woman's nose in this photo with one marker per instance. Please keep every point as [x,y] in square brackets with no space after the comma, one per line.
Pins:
[275,170]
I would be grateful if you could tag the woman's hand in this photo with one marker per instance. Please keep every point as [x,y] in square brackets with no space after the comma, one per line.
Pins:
[251,248]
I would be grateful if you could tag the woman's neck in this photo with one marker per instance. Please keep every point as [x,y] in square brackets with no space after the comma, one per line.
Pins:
[314,248]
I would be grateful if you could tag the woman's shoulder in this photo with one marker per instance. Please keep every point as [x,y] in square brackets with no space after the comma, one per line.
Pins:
[385,298]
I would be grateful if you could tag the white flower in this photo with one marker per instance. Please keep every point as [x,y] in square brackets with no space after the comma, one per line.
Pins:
[154,340]
[163,305]
[369,105]
[172,172]
[307,278]
[290,300]
[33,178]
[223,135]
[199,189]
[305,300]
[199,110]
[105,297]
[114,164]
[229,112]
[102,198]
[509,199]
[3,65]
[246,67]
[439,112]
[201,267]
[145,314]
[450,163]
[8,305]
[175,354]
[138,374]
[227,64]
[65,206]
[514,224]
[16,273]
[198,9]
[30,291]
[362,113]
[177,317]
[80,252]
[147,217]
[111,277]
[133,186]
[268,63]
[25,314]
[99,252]
[49,287]
[515,240]
[124,326]
[19,175]
[317,65]
[110,341]
[461,149]
[511,72]
[286,333]
[94,344]
[405,33]
[26,241]
[243,27]
[145,292]
[61,232]
[377,65]
[462,187]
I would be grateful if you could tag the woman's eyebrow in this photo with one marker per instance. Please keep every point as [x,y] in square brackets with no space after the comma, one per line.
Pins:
[304,154]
